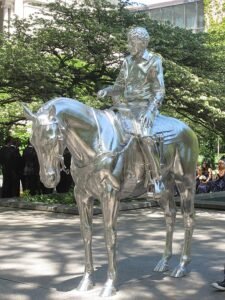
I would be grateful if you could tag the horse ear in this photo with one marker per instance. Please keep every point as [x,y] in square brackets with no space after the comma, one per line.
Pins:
[28,113]
[52,112]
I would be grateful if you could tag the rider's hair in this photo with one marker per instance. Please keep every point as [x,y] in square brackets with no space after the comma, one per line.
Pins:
[139,33]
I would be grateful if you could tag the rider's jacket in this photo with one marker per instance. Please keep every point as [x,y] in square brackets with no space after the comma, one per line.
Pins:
[140,82]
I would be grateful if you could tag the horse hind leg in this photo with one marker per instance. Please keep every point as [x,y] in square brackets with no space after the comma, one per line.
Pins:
[167,203]
[85,207]
[187,209]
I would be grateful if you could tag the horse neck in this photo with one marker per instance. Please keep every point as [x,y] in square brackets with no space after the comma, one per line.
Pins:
[78,127]
[88,133]
[76,114]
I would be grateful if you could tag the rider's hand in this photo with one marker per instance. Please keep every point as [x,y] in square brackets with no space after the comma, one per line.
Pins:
[102,93]
[147,119]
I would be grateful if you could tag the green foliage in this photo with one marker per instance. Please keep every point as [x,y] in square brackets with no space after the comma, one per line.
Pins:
[74,52]
[66,199]
[214,11]
[208,148]
[54,198]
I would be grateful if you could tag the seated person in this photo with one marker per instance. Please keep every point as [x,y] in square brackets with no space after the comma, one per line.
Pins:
[218,185]
[198,174]
[207,170]
[203,186]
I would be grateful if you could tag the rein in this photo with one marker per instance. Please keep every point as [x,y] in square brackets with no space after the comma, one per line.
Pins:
[99,156]
[108,154]
[61,161]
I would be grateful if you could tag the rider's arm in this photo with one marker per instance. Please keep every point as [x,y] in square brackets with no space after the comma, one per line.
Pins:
[118,88]
[158,88]
[157,92]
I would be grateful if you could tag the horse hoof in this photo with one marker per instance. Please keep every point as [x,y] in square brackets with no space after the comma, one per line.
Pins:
[86,284]
[108,290]
[162,266]
[178,272]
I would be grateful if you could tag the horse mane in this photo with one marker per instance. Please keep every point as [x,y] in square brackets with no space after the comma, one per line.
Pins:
[59,103]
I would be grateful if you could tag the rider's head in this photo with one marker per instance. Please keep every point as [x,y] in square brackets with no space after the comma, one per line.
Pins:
[138,39]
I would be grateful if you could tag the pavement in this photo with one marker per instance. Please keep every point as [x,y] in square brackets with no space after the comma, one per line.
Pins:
[41,256]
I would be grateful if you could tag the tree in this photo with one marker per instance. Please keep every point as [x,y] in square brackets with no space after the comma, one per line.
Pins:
[66,53]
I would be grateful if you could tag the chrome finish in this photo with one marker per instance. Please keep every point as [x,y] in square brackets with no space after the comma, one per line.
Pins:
[116,173]
[108,160]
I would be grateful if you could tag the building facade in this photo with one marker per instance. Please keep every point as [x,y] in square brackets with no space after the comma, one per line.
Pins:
[188,14]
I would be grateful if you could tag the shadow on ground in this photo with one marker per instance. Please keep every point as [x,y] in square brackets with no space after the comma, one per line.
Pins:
[42,256]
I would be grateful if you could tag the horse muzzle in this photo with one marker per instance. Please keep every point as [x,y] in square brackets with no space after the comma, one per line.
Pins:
[50,179]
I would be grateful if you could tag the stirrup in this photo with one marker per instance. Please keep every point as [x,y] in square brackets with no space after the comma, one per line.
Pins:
[159,187]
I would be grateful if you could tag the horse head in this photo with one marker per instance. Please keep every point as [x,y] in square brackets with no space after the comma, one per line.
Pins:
[48,142]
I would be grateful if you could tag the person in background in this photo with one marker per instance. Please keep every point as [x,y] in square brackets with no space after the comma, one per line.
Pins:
[203,186]
[198,174]
[65,178]
[12,165]
[207,170]
[218,185]
[31,170]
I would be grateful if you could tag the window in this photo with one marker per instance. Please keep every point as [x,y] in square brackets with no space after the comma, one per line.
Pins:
[156,14]
[191,15]
[200,12]
[179,13]
[167,15]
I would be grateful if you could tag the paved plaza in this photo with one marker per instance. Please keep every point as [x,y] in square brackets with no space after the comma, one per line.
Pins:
[41,256]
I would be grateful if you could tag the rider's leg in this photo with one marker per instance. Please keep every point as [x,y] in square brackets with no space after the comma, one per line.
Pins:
[152,164]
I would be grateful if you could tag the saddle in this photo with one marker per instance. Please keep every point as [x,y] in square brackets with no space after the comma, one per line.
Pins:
[128,127]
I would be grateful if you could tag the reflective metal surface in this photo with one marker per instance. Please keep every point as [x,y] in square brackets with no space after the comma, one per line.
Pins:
[108,159]
[139,88]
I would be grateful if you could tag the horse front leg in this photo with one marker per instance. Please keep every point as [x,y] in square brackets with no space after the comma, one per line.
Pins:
[187,209]
[167,203]
[85,207]
[110,207]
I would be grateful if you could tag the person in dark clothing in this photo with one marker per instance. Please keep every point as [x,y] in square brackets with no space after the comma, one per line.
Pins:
[31,177]
[12,165]
[44,190]
[203,186]
[65,178]
[218,185]
[207,170]
[198,175]
[31,170]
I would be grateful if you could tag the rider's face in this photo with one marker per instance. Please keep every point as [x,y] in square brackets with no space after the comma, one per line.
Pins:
[136,47]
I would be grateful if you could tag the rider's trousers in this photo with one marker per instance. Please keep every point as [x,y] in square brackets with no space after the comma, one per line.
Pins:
[151,154]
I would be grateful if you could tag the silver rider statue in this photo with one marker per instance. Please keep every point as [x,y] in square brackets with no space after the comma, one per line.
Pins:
[140,83]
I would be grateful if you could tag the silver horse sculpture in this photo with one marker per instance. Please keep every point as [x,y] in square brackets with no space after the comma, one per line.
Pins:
[107,164]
